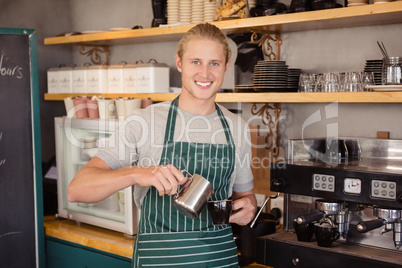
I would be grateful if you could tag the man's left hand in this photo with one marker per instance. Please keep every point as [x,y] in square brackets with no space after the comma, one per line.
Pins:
[244,207]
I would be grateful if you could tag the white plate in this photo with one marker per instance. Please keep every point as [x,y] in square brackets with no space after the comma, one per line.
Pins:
[120,29]
[386,88]
[91,32]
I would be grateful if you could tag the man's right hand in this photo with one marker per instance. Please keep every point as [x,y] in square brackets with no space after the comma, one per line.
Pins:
[165,179]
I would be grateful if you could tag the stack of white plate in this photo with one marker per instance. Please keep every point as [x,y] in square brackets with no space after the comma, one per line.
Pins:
[197,11]
[252,3]
[209,10]
[185,11]
[357,2]
[173,11]
[381,1]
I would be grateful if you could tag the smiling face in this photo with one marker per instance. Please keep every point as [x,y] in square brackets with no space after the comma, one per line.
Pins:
[203,66]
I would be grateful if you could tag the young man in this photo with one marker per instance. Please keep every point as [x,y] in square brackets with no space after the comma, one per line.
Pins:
[154,145]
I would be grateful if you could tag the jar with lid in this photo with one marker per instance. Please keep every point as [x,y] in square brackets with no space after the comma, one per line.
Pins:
[391,71]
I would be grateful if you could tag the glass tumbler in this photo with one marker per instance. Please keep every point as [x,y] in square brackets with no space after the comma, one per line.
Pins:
[352,82]
[367,79]
[319,82]
[331,82]
[306,83]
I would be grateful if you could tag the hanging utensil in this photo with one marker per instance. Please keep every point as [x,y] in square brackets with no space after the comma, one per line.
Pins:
[383,49]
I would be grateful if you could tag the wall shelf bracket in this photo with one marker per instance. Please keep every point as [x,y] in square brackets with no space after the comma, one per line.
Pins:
[270,117]
[265,42]
[97,54]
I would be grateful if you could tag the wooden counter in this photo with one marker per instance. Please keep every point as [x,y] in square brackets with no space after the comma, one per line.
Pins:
[94,237]
[89,236]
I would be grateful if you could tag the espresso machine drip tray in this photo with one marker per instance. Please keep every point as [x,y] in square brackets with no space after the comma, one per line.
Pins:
[342,204]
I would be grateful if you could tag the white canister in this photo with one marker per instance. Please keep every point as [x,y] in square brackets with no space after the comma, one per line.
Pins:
[65,79]
[53,80]
[80,79]
[152,78]
[97,79]
[115,78]
[130,78]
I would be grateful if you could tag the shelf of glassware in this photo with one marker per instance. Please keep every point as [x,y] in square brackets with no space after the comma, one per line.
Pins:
[265,97]
[365,15]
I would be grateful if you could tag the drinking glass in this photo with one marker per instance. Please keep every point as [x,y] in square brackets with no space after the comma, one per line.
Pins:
[331,82]
[367,79]
[352,82]
[341,82]
[306,83]
[319,83]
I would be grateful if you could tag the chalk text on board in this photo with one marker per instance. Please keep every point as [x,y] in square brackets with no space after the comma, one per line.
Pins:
[15,71]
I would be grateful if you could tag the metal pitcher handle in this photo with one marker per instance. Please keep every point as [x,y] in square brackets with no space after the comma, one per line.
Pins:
[188,175]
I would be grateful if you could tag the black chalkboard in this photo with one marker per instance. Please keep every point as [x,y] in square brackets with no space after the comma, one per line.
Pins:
[21,205]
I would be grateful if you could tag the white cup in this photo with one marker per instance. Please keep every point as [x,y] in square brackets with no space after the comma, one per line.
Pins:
[131,105]
[120,107]
[107,108]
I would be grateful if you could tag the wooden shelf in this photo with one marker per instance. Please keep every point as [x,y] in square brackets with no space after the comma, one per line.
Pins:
[317,97]
[368,15]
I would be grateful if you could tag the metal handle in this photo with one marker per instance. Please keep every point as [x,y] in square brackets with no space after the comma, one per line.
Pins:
[262,207]
[365,226]
[310,217]
[188,175]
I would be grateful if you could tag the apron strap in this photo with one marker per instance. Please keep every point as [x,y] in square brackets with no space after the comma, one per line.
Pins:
[228,134]
[171,123]
[171,120]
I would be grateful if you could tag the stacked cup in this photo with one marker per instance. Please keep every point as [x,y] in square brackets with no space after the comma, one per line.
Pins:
[209,10]
[185,11]
[197,11]
[173,11]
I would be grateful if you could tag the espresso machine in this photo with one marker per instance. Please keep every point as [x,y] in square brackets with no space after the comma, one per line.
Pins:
[342,204]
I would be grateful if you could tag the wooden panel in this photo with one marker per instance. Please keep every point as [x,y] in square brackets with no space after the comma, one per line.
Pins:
[261,159]
[379,14]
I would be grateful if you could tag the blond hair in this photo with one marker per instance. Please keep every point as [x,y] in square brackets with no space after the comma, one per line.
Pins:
[202,31]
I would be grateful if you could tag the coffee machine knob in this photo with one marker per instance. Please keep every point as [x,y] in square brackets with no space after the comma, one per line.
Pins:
[278,185]
[276,182]
[365,226]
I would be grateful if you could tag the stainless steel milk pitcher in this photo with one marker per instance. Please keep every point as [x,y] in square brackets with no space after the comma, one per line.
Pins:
[193,196]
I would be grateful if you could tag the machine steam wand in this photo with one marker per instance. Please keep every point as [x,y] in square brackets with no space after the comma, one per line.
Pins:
[261,209]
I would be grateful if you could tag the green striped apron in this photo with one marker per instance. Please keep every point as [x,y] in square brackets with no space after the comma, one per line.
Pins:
[165,237]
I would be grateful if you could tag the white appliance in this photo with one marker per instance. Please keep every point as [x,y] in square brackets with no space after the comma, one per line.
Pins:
[77,141]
